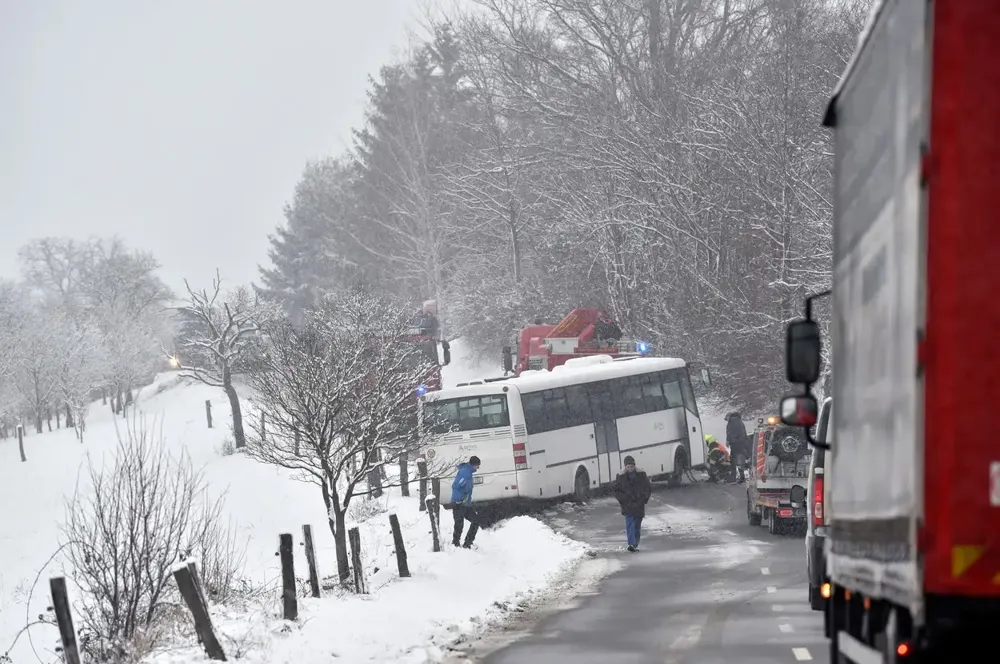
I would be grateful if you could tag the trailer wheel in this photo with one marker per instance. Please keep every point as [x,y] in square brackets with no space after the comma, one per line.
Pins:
[581,488]
[752,517]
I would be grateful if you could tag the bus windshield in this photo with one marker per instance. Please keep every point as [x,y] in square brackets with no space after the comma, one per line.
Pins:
[466,414]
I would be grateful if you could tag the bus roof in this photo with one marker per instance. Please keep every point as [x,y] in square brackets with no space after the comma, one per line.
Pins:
[571,375]
[561,376]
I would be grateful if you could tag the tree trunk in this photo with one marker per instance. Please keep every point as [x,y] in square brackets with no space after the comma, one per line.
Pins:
[69,416]
[374,474]
[234,404]
[404,474]
[339,530]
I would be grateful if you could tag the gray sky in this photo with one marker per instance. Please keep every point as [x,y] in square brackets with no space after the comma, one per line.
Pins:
[181,126]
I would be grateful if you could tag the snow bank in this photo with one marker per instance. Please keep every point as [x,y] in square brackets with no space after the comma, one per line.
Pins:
[449,593]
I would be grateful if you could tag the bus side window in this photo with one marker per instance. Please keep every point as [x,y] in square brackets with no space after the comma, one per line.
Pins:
[556,410]
[534,412]
[578,406]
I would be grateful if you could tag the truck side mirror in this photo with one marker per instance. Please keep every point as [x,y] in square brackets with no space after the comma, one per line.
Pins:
[802,352]
[508,360]
[446,350]
[801,411]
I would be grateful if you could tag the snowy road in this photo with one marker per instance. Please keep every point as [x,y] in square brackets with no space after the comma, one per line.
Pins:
[705,589]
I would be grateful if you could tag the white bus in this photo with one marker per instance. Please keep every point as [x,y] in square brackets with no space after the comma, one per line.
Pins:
[564,432]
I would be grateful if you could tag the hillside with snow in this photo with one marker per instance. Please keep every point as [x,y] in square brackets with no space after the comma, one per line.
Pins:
[450,593]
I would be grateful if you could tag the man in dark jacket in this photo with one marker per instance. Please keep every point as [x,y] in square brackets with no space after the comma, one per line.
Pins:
[736,440]
[632,489]
[461,503]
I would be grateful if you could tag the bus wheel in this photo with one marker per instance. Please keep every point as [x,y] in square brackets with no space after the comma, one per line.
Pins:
[581,489]
[680,468]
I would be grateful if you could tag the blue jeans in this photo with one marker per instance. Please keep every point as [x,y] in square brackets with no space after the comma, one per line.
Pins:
[633,529]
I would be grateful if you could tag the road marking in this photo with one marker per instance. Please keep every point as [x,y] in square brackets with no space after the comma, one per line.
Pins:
[765,570]
[786,628]
[802,654]
[772,589]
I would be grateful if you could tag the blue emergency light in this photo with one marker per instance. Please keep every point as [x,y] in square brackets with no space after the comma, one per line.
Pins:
[642,347]
[421,390]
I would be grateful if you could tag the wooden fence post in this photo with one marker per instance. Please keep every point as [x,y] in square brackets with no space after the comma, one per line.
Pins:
[307,542]
[422,471]
[354,536]
[432,515]
[60,603]
[436,490]
[199,586]
[208,412]
[20,442]
[397,539]
[291,605]
[188,588]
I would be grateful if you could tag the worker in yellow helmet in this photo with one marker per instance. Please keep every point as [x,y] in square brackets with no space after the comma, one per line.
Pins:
[719,465]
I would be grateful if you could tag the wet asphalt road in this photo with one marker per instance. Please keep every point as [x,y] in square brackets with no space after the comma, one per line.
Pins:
[705,588]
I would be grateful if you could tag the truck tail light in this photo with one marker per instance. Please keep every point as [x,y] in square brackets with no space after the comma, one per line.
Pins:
[817,511]
[520,457]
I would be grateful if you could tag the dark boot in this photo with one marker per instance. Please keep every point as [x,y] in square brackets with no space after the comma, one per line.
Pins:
[470,537]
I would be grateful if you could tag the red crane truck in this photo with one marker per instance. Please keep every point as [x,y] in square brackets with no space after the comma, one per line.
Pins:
[583,332]
[913,546]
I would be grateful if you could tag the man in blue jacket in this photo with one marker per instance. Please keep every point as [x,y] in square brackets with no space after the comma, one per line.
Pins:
[461,503]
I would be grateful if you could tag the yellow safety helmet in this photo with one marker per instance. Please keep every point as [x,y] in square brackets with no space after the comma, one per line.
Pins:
[710,440]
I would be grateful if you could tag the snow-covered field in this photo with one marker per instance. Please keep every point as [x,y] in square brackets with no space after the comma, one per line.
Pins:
[451,593]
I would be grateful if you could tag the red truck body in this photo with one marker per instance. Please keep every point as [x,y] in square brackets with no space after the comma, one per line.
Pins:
[542,347]
[960,351]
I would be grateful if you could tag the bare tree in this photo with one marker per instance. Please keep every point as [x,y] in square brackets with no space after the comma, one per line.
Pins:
[79,360]
[36,366]
[335,393]
[12,313]
[218,334]
[140,516]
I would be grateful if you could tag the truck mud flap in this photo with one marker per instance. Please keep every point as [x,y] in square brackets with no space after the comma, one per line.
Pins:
[857,652]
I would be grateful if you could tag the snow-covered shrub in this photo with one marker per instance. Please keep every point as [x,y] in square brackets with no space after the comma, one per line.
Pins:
[226,448]
[141,515]
[362,510]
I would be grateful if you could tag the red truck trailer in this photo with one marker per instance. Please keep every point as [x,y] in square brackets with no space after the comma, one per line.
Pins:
[914,486]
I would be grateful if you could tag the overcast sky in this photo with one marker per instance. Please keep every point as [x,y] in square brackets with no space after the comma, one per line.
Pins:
[180,125]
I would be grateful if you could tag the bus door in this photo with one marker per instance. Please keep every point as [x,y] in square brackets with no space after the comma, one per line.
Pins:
[605,434]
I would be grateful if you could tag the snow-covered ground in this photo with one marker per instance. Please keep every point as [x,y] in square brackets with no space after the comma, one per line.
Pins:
[450,593]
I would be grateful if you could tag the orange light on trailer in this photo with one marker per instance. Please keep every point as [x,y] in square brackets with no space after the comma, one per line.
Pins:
[903,649]
[824,591]
[772,420]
